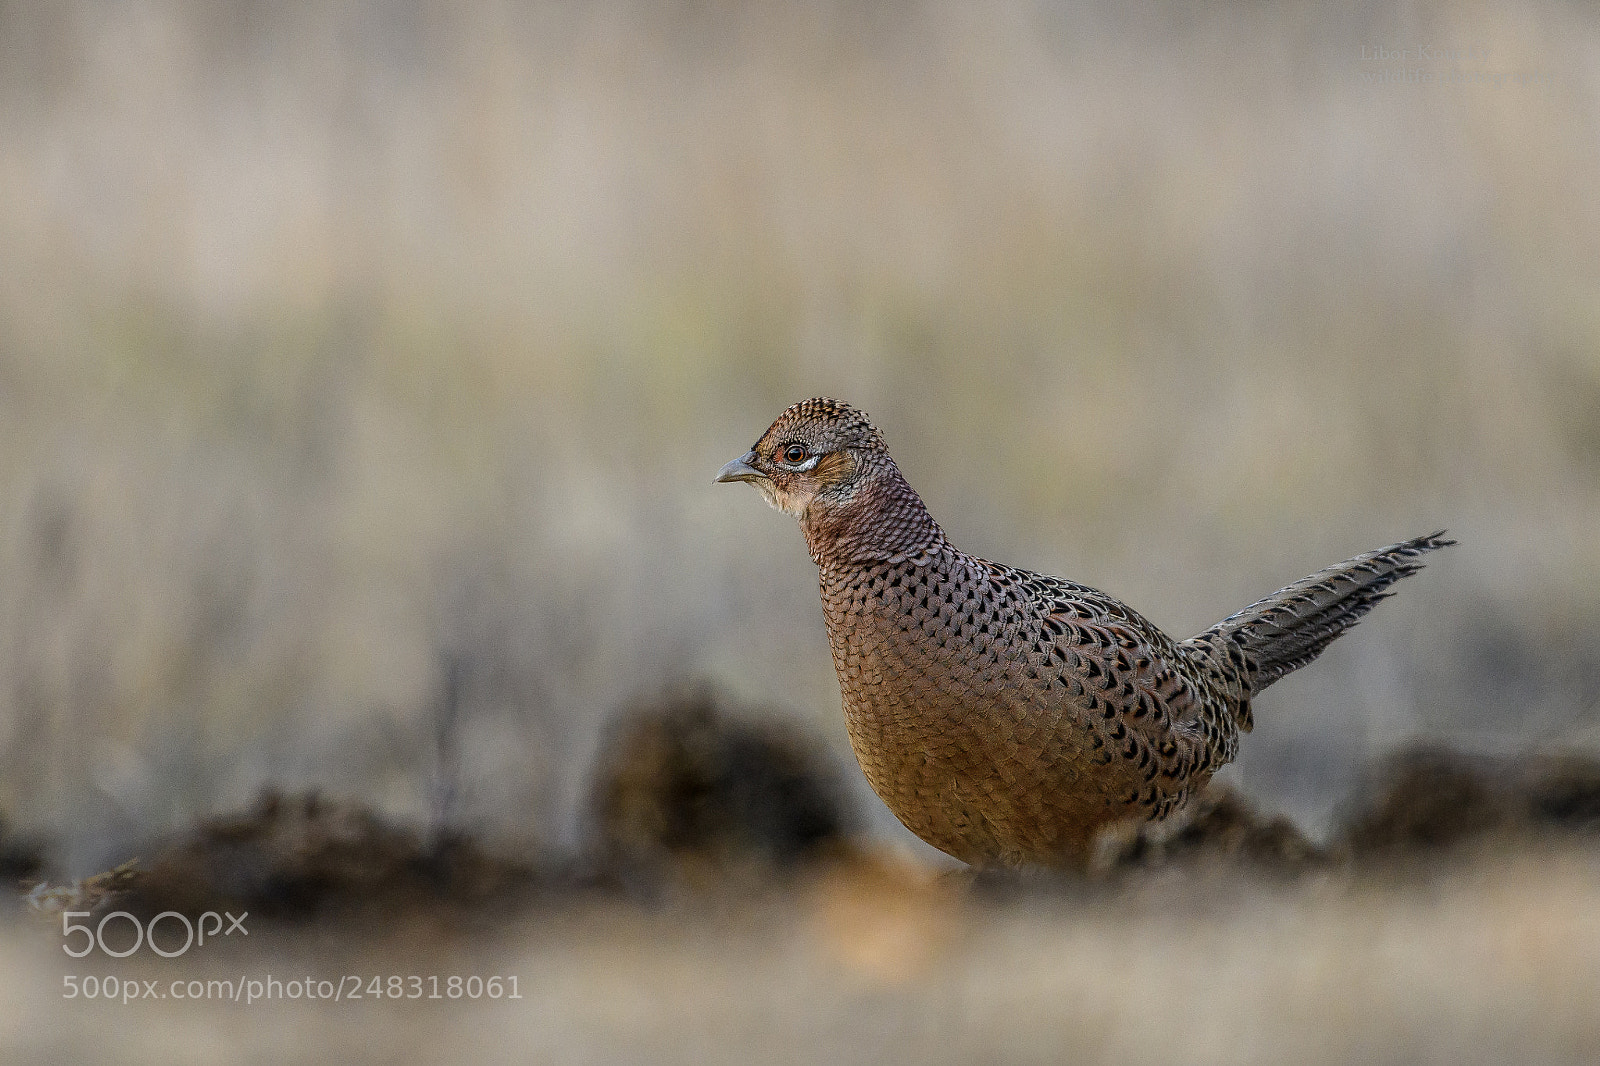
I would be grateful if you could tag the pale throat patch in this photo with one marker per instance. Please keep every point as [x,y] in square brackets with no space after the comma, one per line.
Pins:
[788,502]
[778,501]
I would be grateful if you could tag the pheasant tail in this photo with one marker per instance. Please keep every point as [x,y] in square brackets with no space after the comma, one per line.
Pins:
[1291,627]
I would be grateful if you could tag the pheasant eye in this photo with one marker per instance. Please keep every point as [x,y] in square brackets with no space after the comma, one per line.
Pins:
[794,453]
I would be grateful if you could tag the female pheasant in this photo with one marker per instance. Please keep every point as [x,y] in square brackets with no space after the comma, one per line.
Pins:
[1006,717]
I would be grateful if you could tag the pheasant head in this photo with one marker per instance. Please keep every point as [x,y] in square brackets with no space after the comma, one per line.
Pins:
[825,463]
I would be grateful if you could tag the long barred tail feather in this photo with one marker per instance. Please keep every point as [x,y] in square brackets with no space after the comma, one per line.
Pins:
[1291,627]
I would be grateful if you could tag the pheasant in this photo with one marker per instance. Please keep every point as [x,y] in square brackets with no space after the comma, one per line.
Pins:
[1010,718]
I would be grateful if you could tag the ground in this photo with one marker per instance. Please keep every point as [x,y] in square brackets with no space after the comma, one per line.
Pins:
[1496,961]
[724,912]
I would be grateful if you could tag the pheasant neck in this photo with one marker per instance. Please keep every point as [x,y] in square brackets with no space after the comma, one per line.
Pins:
[884,519]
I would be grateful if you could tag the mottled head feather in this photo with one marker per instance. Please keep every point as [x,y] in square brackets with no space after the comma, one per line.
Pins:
[824,425]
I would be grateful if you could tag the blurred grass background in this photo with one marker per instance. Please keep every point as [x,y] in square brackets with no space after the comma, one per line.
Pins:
[348,346]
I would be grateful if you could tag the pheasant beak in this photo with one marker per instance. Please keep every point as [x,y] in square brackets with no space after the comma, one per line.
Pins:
[741,470]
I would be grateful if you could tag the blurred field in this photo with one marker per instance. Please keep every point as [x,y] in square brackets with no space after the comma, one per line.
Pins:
[880,965]
[364,368]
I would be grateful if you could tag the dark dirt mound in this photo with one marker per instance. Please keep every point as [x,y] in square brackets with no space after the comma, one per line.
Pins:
[1424,802]
[681,787]
[299,855]
[1224,835]
[1226,829]
[21,857]
[686,782]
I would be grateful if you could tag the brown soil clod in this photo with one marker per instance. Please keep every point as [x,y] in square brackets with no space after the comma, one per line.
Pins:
[297,855]
[1226,829]
[684,784]
[1426,802]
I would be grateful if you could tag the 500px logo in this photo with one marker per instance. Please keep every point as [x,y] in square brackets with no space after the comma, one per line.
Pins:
[95,936]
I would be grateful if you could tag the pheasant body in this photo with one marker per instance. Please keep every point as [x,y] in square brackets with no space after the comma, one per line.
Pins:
[1008,717]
